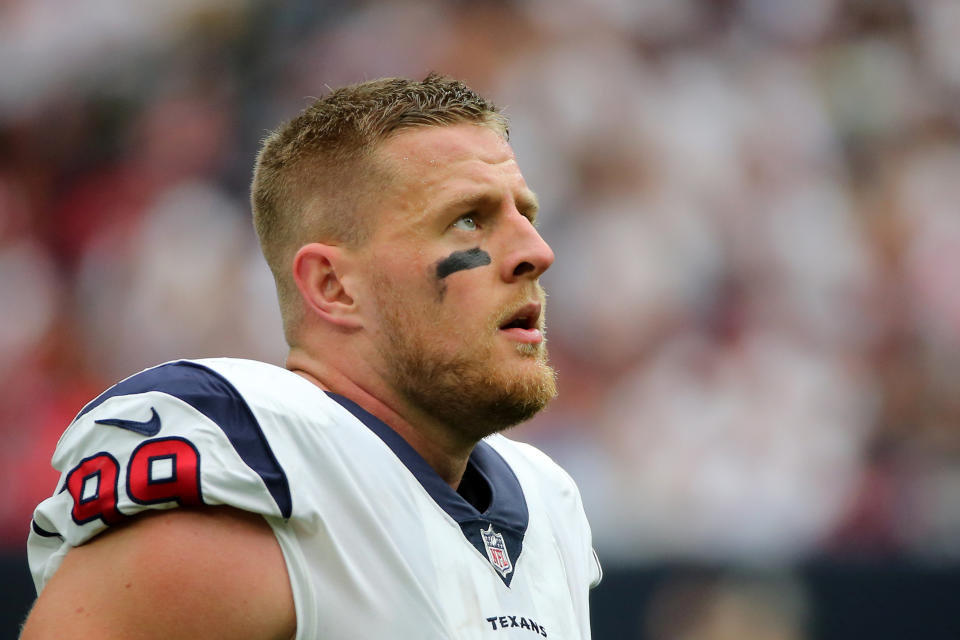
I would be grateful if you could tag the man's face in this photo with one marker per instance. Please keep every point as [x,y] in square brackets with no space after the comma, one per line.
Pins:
[454,262]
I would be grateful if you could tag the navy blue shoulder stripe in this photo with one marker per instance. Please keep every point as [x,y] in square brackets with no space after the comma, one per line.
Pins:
[212,395]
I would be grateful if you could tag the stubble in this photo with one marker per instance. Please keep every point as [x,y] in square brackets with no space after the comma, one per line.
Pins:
[470,390]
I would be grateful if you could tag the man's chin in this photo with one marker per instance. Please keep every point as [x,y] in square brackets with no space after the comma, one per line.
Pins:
[532,351]
[486,387]
[521,398]
[478,406]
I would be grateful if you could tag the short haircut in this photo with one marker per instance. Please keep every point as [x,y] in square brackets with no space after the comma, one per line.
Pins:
[315,173]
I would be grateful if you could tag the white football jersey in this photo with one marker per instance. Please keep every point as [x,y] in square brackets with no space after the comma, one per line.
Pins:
[376,544]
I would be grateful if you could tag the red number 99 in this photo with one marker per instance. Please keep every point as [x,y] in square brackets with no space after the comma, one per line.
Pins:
[160,470]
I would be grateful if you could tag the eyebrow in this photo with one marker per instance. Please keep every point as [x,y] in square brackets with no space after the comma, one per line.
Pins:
[526,203]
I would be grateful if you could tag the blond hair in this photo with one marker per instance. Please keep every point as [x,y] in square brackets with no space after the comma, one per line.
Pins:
[315,173]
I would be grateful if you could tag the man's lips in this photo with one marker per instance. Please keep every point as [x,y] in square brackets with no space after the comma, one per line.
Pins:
[523,324]
[526,317]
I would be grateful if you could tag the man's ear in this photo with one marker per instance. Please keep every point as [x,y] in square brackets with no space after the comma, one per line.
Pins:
[318,272]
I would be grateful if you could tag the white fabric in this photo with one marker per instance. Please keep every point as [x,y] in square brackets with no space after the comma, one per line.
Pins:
[369,552]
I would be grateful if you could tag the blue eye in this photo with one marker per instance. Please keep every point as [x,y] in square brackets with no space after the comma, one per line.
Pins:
[466,223]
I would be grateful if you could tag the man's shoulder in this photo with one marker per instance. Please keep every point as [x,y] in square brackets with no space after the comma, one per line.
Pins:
[253,411]
[199,377]
[555,493]
[223,389]
[183,433]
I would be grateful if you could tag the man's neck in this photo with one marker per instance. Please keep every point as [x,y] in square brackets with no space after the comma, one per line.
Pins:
[442,448]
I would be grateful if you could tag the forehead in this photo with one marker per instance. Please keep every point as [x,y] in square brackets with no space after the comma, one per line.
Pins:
[429,165]
[448,143]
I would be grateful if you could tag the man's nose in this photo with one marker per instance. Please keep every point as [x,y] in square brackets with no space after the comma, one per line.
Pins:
[528,254]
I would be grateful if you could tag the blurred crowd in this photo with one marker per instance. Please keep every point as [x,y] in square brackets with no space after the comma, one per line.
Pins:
[755,206]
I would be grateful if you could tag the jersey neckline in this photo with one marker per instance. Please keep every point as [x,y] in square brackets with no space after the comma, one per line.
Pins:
[507,511]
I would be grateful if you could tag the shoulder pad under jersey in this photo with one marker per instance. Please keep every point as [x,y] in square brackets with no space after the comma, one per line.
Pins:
[177,434]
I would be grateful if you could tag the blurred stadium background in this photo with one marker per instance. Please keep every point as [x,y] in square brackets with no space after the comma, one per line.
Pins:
[755,311]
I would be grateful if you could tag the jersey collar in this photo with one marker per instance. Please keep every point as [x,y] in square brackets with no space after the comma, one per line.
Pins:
[507,512]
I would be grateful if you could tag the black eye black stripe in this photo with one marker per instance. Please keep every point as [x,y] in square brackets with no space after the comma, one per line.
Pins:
[460,260]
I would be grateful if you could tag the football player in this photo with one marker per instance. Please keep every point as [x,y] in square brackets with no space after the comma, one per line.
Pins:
[364,490]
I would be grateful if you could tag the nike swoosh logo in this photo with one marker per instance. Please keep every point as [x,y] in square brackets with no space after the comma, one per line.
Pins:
[149,428]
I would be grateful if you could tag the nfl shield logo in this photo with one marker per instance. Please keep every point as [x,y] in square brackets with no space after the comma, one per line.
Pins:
[496,551]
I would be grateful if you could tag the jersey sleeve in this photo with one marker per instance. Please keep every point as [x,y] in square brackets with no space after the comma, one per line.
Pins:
[175,435]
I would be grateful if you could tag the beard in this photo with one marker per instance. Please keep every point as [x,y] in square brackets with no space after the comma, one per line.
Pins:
[471,391]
